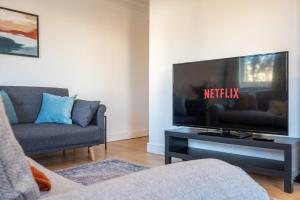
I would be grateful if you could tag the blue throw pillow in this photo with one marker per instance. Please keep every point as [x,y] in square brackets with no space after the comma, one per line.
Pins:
[55,109]
[9,108]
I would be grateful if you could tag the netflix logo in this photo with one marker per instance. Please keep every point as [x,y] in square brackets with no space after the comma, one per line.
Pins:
[221,93]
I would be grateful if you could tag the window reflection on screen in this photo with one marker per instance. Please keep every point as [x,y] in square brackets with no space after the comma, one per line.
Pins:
[256,71]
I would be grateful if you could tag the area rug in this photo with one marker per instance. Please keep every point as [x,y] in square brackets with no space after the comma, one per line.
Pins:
[96,172]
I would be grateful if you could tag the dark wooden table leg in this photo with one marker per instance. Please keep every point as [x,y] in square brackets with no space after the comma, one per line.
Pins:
[105,132]
[168,160]
[288,185]
[297,179]
[288,180]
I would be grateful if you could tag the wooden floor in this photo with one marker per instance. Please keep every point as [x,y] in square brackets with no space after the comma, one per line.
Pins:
[134,151]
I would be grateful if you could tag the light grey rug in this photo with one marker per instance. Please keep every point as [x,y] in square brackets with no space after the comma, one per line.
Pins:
[91,173]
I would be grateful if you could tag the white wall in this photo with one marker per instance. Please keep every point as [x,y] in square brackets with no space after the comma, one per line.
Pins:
[183,31]
[96,48]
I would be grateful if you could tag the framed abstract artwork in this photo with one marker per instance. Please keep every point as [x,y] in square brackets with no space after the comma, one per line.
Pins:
[19,33]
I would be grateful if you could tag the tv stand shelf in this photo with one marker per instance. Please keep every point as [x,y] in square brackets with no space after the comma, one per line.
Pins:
[177,146]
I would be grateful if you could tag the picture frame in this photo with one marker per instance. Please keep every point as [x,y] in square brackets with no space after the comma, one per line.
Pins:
[19,33]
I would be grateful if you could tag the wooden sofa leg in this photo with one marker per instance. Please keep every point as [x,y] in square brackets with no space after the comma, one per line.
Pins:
[91,153]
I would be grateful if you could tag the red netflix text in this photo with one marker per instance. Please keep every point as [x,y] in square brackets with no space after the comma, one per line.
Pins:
[221,93]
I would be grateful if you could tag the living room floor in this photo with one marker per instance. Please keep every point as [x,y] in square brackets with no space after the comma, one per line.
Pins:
[134,150]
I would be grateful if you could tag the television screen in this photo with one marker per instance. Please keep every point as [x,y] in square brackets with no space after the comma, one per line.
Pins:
[248,93]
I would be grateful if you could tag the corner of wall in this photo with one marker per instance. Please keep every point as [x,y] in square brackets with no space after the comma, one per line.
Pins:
[155,148]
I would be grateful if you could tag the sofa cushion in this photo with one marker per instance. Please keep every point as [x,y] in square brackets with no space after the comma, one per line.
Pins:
[39,137]
[41,179]
[27,100]
[83,111]
[16,181]
[9,108]
[55,109]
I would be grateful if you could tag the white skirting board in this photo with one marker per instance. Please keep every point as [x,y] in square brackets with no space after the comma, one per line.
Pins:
[127,135]
[156,148]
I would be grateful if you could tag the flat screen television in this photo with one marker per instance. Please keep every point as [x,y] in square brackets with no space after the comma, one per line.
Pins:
[247,93]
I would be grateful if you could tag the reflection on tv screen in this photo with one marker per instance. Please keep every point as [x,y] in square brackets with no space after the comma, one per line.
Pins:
[247,93]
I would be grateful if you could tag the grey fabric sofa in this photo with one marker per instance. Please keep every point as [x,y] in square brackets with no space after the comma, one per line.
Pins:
[37,138]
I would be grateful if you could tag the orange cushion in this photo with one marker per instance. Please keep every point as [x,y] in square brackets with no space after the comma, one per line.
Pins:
[41,179]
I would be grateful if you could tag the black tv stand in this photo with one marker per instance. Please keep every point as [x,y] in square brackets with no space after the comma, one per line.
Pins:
[177,145]
[226,133]
[263,139]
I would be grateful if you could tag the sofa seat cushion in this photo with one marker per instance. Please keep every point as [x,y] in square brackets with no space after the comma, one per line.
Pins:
[50,136]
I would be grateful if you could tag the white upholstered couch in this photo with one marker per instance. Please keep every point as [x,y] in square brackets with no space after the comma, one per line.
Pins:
[206,179]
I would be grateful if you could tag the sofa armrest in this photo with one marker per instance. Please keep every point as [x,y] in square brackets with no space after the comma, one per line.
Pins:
[99,120]
[99,116]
